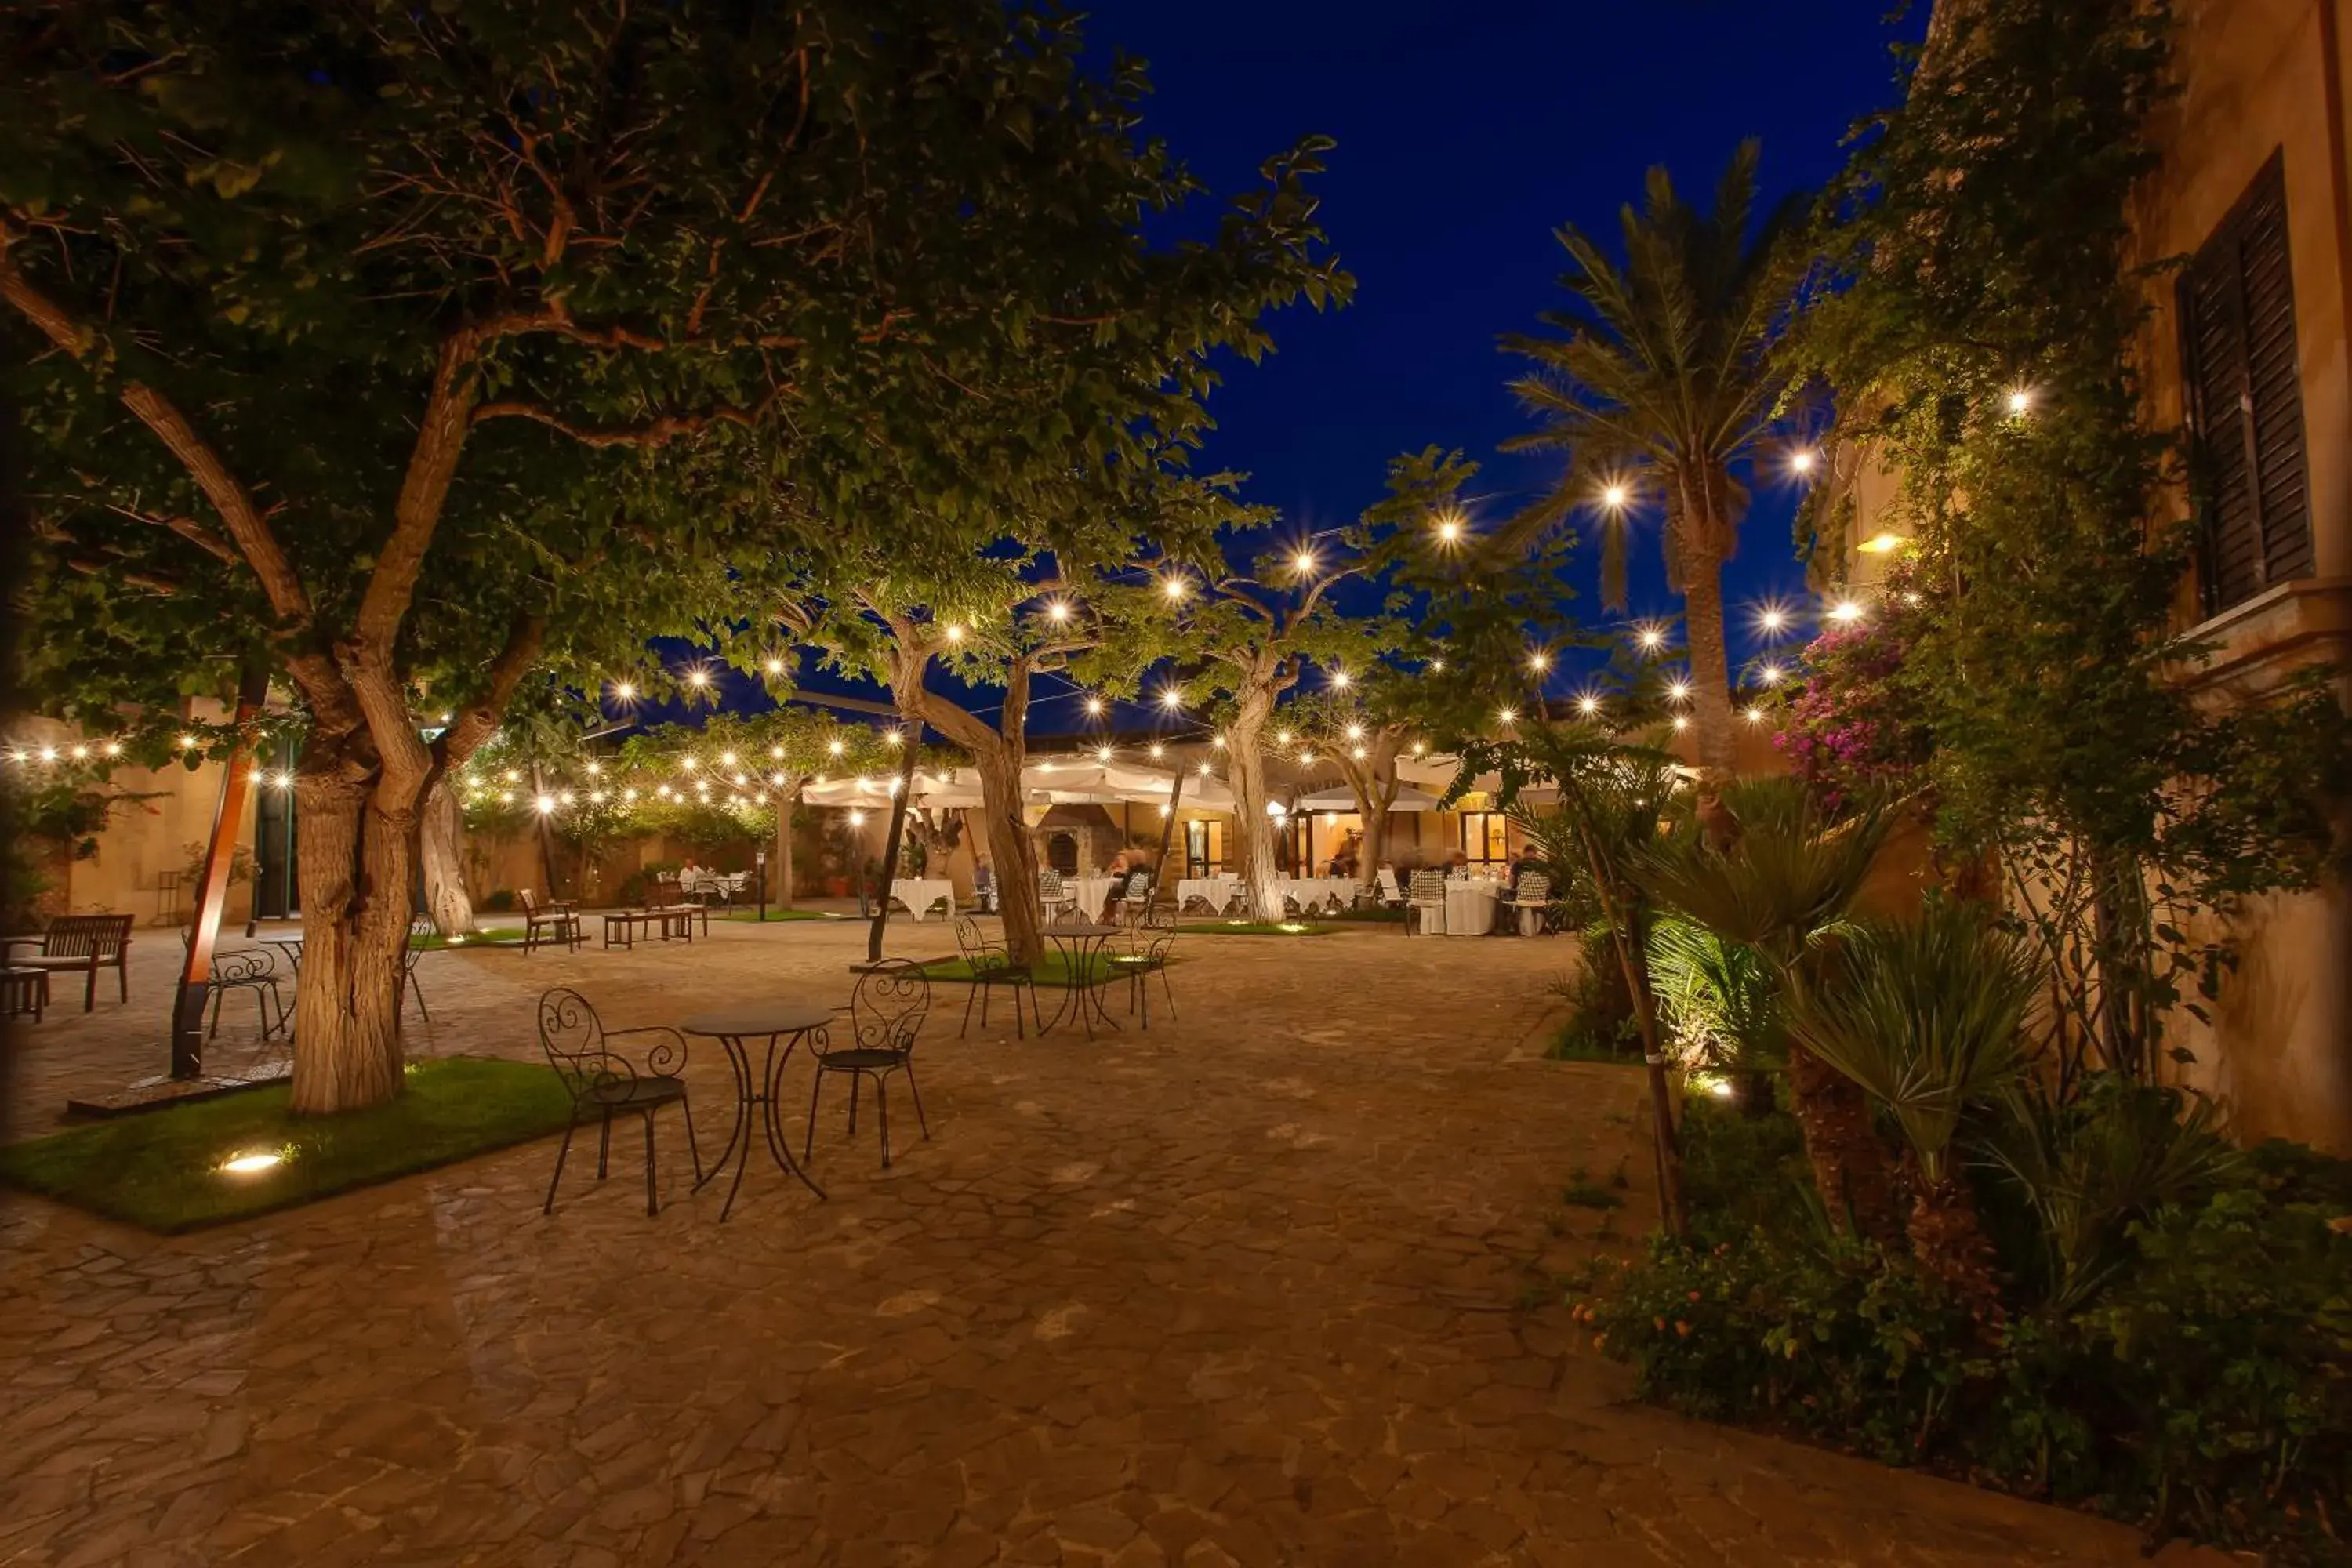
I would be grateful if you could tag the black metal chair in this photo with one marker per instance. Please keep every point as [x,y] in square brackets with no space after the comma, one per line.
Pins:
[990,967]
[885,1014]
[1152,958]
[602,1083]
[253,969]
[421,926]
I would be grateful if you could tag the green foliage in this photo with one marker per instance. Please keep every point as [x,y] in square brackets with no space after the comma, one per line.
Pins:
[1719,1001]
[1600,1025]
[1786,877]
[1928,1016]
[1986,237]
[2204,1390]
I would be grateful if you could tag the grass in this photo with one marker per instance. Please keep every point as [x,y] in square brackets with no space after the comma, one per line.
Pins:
[753,915]
[497,936]
[1573,1047]
[161,1170]
[1255,928]
[1054,971]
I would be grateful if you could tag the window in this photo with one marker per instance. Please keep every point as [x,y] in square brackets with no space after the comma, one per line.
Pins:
[2245,399]
[1486,836]
[1205,846]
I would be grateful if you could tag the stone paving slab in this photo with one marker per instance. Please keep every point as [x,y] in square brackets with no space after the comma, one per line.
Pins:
[1261,1286]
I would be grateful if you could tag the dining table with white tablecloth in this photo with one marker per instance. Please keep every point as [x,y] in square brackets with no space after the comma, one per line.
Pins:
[921,895]
[1312,893]
[1216,893]
[1470,905]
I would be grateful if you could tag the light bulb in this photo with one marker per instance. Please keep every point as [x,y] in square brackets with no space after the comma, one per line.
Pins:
[1614,497]
[1172,699]
[1771,673]
[1218,741]
[1587,705]
[1175,587]
[726,759]
[1102,753]
[1057,611]
[834,747]
[625,691]
[1355,731]
[1449,527]
[1339,678]
[2021,400]
[1360,754]
[1681,722]
[1158,750]
[1772,620]
[1095,706]
[955,633]
[1652,636]
[1800,462]
[1436,666]
[1282,737]
[1754,715]
[775,667]
[1304,561]
[1540,662]
[1507,716]
[1679,690]
[1845,611]
[698,678]
[186,741]
[894,737]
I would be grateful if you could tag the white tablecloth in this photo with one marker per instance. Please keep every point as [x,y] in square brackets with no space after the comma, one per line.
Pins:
[1089,892]
[1470,906]
[921,893]
[1314,892]
[1215,891]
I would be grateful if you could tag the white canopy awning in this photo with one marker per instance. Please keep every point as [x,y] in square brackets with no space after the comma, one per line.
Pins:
[955,787]
[1407,799]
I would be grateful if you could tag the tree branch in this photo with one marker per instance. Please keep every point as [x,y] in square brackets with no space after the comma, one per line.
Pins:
[652,433]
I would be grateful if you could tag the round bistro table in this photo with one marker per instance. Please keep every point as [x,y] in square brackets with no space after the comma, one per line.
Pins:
[1082,956]
[781,1019]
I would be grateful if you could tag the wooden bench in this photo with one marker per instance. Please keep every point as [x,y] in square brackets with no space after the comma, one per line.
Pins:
[624,925]
[668,897]
[78,944]
[561,917]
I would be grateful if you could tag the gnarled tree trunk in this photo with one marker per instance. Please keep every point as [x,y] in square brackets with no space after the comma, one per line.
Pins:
[355,861]
[1015,852]
[1851,1169]
[1245,770]
[443,862]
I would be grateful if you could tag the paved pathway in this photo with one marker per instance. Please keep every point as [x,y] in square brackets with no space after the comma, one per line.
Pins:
[1261,1286]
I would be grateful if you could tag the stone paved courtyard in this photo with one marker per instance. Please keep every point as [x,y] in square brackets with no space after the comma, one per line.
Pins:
[1264,1285]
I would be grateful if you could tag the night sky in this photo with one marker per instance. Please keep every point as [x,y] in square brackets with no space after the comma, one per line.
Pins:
[1468,133]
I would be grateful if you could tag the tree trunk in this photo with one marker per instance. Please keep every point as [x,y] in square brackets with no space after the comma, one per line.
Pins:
[354,861]
[1950,1244]
[1015,855]
[894,843]
[1710,667]
[446,898]
[1851,1170]
[1245,768]
[784,808]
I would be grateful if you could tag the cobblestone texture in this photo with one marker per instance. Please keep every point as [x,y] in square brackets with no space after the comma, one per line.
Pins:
[1258,1287]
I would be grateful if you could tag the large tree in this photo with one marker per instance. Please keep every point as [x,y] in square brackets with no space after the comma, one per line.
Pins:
[417,346]
[1663,382]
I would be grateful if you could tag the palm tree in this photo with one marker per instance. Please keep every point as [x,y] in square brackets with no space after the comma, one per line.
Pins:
[1929,1018]
[1778,879]
[1664,378]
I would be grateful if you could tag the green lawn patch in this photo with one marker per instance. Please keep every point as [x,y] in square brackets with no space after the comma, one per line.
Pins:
[1256,928]
[498,936]
[753,915]
[1577,1047]
[162,1170]
[1109,968]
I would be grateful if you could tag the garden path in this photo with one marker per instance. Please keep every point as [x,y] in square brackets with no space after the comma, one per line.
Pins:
[1264,1285]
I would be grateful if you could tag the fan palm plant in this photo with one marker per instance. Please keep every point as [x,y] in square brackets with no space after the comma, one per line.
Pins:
[1778,882]
[1720,998]
[1929,1018]
[1664,376]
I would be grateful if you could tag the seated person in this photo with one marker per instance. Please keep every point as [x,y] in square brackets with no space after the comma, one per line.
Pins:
[1458,865]
[1117,872]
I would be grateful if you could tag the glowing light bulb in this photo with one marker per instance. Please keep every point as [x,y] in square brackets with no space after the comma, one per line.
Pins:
[594,769]
[1419,747]
[2021,400]
[1652,636]
[1158,750]
[1306,759]
[1095,707]
[251,1164]
[834,747]
[1304,561]
[1587,705]
[1437,666]
[546,803]
[1339,678]
[1845,611]
[775,667]
[1771,673]
[1538,662]
[1167,810]
[629,796]
[892,737]
[1102,753]
[185,742]
[625,691]
[1057,611]
[857,819]
[686,765]
[595,797]
[698,678]
[1175,587]
[81,753]
[1449,527]
[1203,770]
[514,776]
[1507,716]
[726,759]
[1172,699]
[506,797]
[114,748]
[1282,737]
[1800,461]
[1218,741]
[1355,731]
[955,632]
[1681,722]
[1679,690]
[1360,754]
[1755,714]
[1615,495]
[1772,619]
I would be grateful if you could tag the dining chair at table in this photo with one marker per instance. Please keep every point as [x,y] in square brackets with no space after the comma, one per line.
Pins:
[886,1016]
[1152,958]
[604,1083]
[991,967]
[1426,898]
[1532,896]
[249,969]
[1055,895]
[559,916]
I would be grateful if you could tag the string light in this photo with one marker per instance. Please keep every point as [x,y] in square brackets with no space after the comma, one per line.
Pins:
[857,819]
[726,759]
[1800,461]
[446,716]
[1538,661]
[1437,666]
[775,667]
[594,770]
[1507,715]
[565,798]
[1175,587]
[1355,731]
[1093,707]
[1102,753]
[2021,400]
[1614,496]
[1218,741]
[1057,611]
[1755,714]
[776,780]
[1885,544]
[81,753]
[625,691]
[1652,636]
[1772,618]
[698,678]
[1679,690]
[835,746]
[114,748]
[1158,750]
[185,742]
[1339,679]
[1845,611]
[1282,737]
[1771,673]
[513,776]
[1172,699]
[893,737]
[1588,704]
[629,796]
[1306,759]
[1449,527]
[686,765]
[1681,722]
[506,797]
[1419,747]
[1203,770]
[1304,561]
[1360,754]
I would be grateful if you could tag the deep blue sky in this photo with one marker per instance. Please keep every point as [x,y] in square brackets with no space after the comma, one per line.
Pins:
[1469,132]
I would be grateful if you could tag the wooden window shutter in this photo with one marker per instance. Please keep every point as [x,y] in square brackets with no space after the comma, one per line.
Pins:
[2245,399]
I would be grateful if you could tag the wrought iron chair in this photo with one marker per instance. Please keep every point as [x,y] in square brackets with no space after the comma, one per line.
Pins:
[1427,896]
[1152,958]
[1533,896]
[253,969]
[418,926]
[604,1083]
[885,1014]
[990,967]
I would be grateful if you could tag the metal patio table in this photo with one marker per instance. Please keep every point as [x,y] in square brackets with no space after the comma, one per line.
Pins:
[782,1019]
[1089,970]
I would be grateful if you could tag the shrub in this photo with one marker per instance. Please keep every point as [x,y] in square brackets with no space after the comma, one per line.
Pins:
[2208,1390]
[1601,1026]
[500,900]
